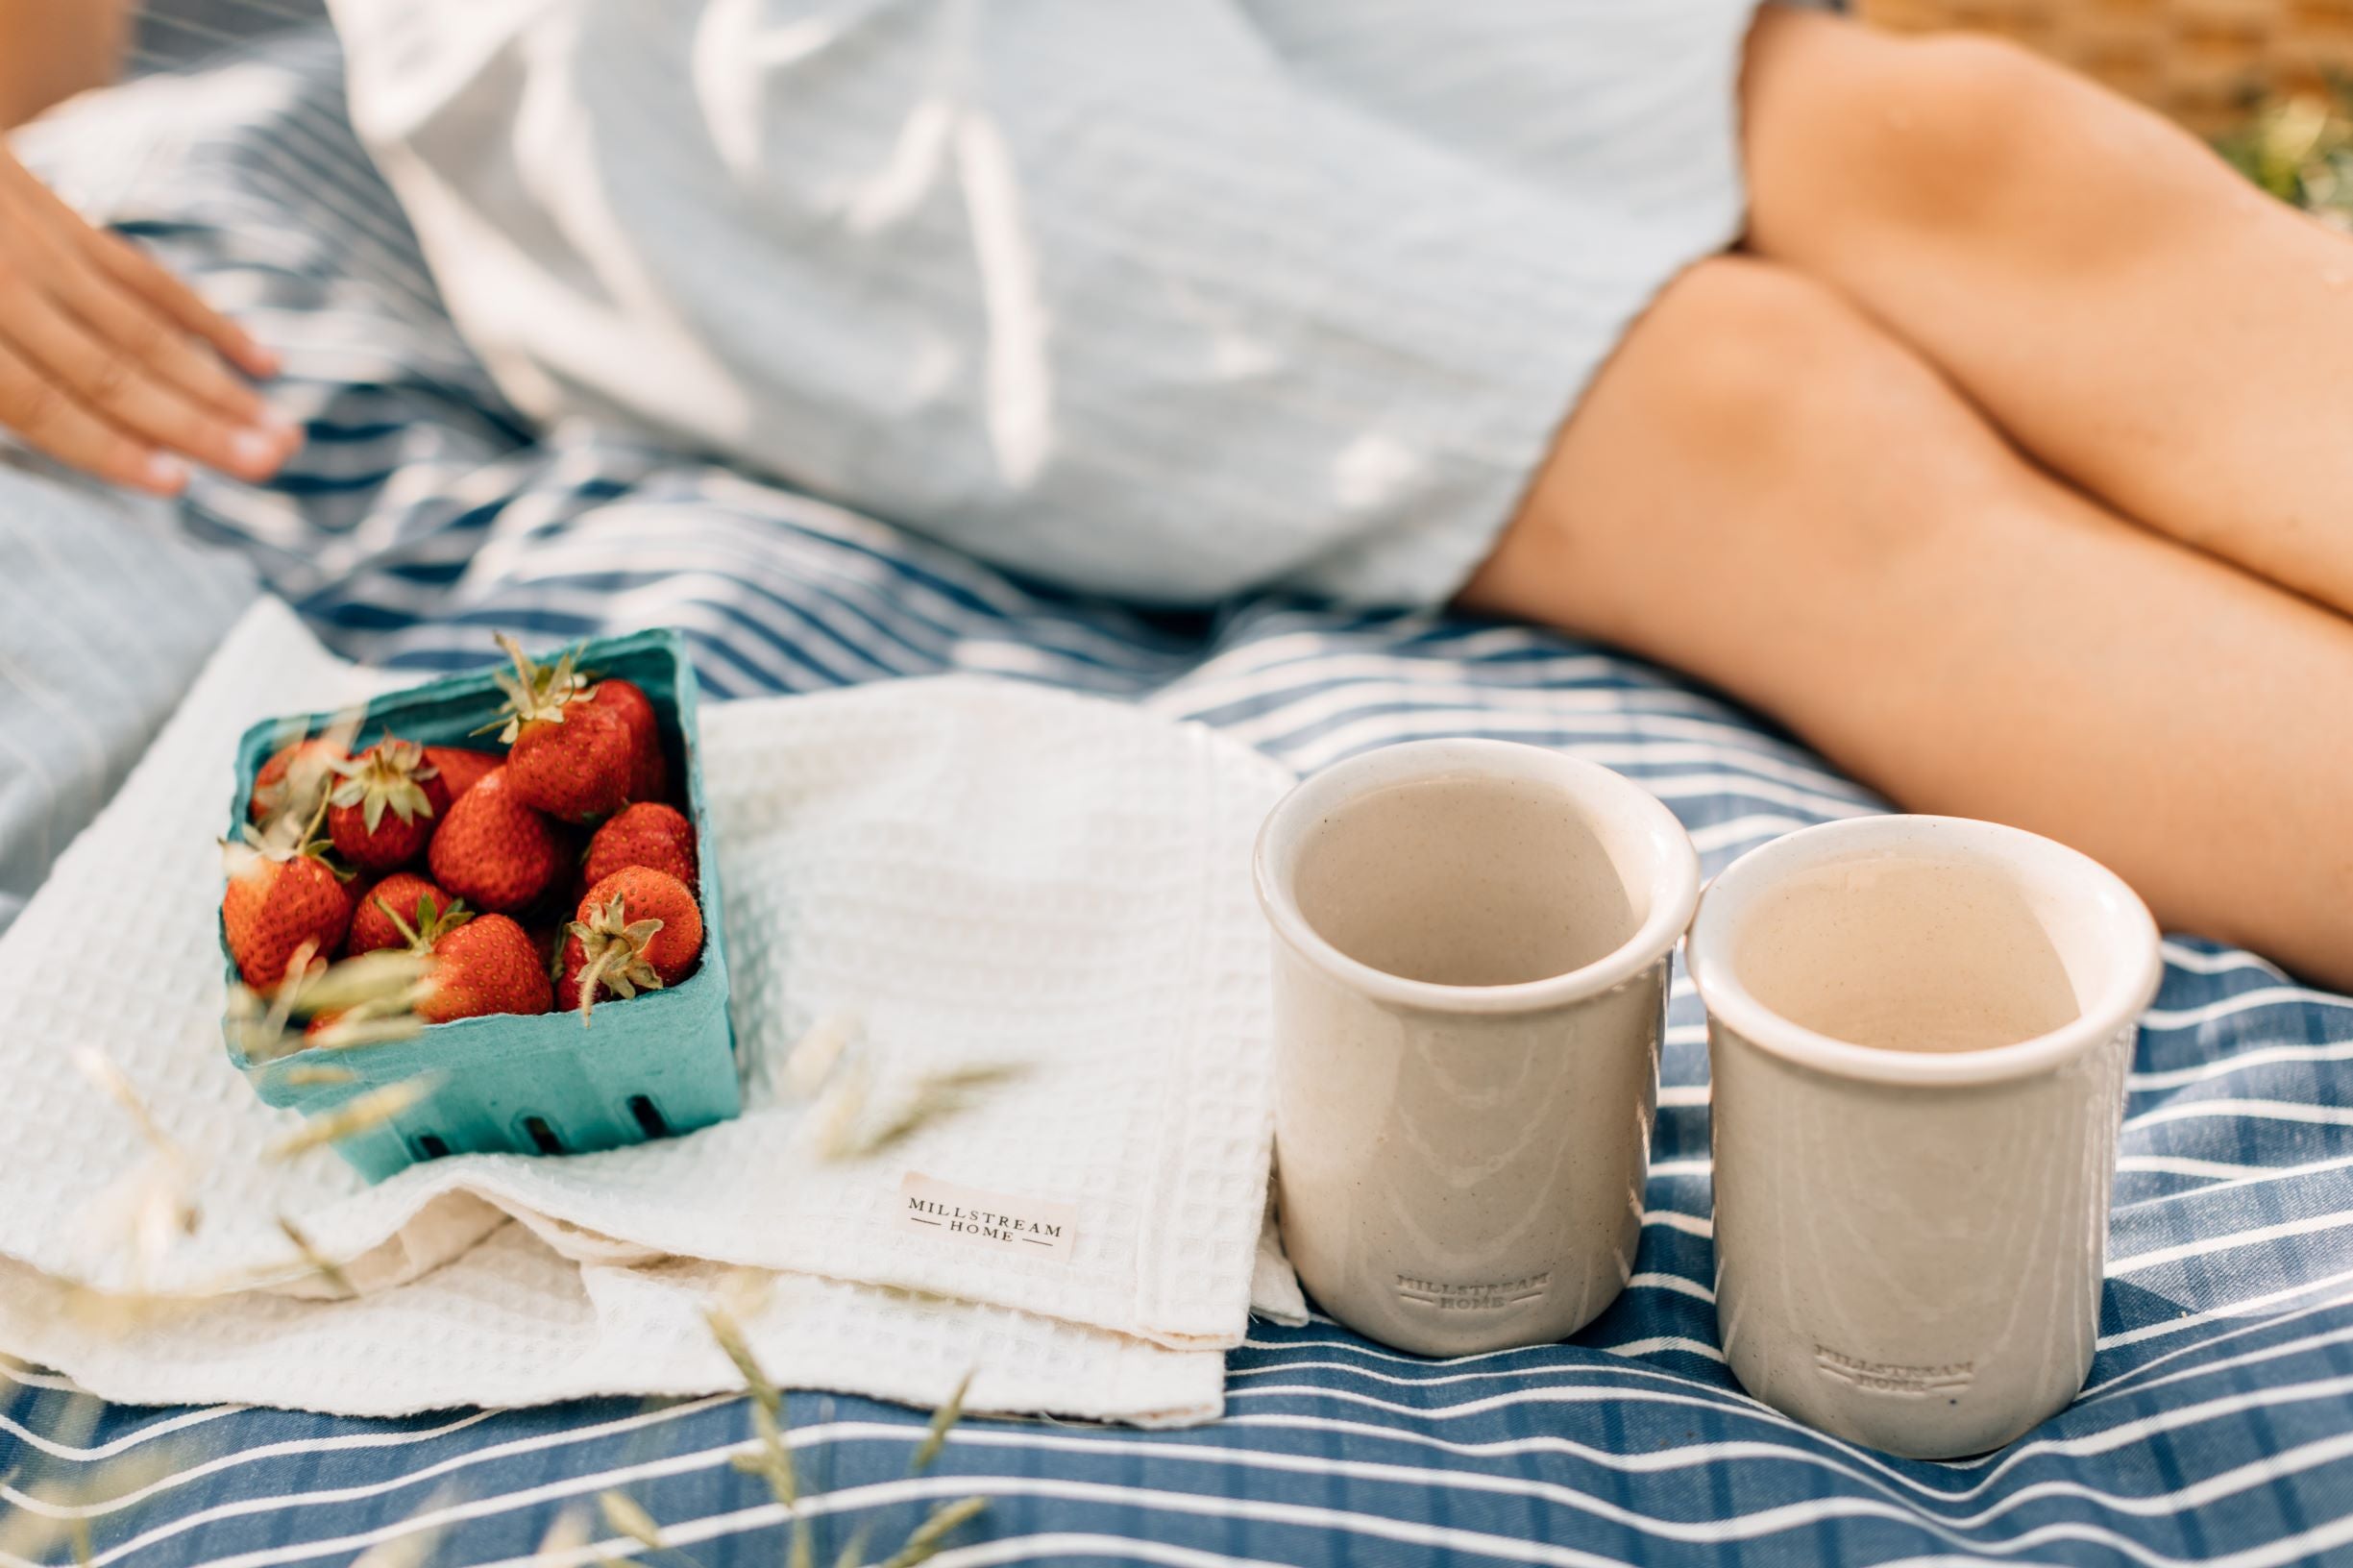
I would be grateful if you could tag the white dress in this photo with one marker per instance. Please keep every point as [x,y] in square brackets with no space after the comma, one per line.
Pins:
[1171,299]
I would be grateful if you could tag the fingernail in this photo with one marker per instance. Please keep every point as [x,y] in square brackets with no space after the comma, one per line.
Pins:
[280,429]
[255,449]
[167,476]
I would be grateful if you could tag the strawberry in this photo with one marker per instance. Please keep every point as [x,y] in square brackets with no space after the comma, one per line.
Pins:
[577,771]
[650,775]
[652,781]
[494,849]
[278,902]
[405,895]
[637,930]
[566,755]
[459,770]
[482,964]
[630,897]
[628,700]
[282,786]
[361,892]
[646,834]
[571,965]
[486,964]
[381,808]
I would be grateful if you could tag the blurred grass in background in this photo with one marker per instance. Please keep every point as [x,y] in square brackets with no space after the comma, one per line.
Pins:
[2300,149]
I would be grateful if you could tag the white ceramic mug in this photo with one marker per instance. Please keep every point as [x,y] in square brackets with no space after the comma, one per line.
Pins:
[1919,1029]
[1470,981]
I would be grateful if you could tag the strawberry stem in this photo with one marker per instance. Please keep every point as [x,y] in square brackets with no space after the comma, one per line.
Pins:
[592,980]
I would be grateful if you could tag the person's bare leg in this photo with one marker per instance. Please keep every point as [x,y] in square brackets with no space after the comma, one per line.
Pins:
[1767,490]
[2119,302]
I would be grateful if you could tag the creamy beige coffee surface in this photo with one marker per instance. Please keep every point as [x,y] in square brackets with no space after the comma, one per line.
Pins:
[1906,954]
[1464,881]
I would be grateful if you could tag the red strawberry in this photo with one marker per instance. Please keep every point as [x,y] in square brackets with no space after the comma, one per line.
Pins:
[579,769]
[566,756]
[459,769]
[628,700]
[275,904]
[381,808]
[646,834]
[653,778]
[571,963]
[494,849]
[638,893]
[272,791]
[638,929]
[361,890]
[486,965]
[481,965]
[404,894]
[649,776]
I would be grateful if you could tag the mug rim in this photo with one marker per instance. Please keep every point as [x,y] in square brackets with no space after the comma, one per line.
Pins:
[1729,1000]
[1672,889]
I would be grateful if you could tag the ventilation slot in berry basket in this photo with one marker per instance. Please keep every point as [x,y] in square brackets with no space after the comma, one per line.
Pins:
[544,1136]
[429,1147]
[648,1116]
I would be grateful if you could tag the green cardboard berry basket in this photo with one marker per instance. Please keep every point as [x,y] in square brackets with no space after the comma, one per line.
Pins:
[660,1063]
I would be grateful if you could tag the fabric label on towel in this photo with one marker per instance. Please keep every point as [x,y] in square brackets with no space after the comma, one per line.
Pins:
[1029,1226]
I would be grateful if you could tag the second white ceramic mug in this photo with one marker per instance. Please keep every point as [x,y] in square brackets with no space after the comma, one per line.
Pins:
[1470,974]
[1919,1029]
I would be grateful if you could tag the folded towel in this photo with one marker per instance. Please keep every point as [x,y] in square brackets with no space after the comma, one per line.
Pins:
[953,873]
[513,1322]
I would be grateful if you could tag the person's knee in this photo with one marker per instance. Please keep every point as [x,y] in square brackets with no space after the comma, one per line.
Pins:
[1750,415]
[1978,128]
[1740,386]
[1755,363]
[1955,131]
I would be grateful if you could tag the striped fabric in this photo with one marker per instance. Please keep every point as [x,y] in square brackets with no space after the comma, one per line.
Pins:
[171,35]
[105,616]
[2215,1428]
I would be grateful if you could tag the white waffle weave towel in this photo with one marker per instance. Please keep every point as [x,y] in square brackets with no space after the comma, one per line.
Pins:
[955,871]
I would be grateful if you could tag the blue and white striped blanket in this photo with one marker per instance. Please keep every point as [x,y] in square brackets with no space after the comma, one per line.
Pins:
[2215,1428]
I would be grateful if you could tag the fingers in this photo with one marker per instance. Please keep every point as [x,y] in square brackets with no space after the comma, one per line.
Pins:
[138,273]
[111,364]
[132,271]
[123,387]
[64,262]
[158,345]
[48,418]
[123,345]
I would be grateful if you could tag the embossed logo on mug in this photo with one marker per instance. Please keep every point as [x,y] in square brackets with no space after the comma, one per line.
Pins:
[1893,1376]
[1488,1297]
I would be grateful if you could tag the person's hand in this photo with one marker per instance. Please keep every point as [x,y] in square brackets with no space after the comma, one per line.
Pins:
[113,366]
